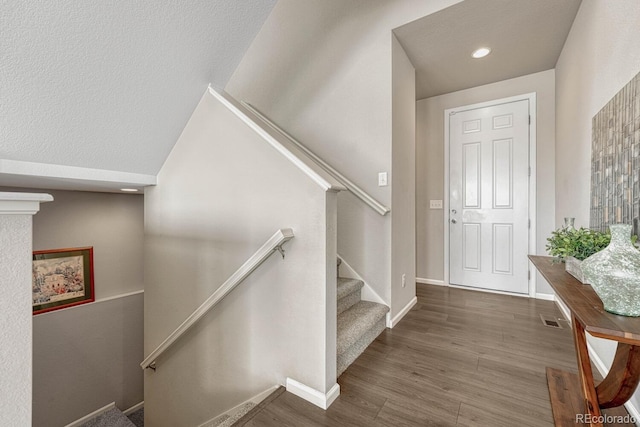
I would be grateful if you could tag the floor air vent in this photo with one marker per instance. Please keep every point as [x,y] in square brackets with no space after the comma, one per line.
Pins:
[551,322]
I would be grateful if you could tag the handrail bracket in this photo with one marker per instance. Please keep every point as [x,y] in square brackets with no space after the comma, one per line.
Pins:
[281,250]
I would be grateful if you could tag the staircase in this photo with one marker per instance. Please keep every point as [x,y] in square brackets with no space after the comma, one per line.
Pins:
[111,418]
[359,322]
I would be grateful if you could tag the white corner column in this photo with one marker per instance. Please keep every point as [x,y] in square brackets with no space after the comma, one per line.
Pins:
[16,211]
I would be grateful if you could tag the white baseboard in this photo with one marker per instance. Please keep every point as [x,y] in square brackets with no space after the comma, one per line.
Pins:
[398,317]
[94,414]
[563,309]
[547,297]
[431,281]
[634,412]
[599,364]
[312,395]
[367,293]
[255,400]
[134,408]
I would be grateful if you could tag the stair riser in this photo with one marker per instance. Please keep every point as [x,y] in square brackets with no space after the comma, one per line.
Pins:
[356,349]
[349,300]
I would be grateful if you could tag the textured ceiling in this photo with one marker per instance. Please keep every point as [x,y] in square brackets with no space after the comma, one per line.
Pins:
[94,87]
[111,84]
[526,36]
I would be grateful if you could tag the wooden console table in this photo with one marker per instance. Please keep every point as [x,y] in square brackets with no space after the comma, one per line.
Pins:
[588,315]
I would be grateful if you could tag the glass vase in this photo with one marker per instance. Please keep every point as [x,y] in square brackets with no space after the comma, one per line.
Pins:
[614,273]
[569,223]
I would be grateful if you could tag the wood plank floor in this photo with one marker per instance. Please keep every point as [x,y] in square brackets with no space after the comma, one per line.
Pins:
[459,358]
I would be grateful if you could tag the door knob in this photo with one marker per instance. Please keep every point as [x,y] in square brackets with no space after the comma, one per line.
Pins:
[453,221]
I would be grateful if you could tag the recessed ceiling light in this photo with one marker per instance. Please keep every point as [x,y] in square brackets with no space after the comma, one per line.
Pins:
[481,52]
[129,190]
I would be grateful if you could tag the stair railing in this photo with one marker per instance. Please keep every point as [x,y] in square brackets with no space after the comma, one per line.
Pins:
[272,245]
[346,182]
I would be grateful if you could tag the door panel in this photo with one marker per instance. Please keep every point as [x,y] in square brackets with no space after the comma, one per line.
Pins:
[471,246]
[471,175]
[489,197]
[502,248]
[502,174]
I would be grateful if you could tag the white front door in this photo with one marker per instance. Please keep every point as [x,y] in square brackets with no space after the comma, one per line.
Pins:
[489,196]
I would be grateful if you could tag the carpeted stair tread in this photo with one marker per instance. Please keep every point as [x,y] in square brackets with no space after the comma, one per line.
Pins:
[137,417]
[111,418]
[347,286]
[257,408]
[356,321]
[349,293]
[356,349]
[219,421]
[238,415]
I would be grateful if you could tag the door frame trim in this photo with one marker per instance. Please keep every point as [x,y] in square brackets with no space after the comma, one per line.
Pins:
[531,97]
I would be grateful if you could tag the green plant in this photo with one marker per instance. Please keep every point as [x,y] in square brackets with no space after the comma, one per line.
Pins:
[578,243]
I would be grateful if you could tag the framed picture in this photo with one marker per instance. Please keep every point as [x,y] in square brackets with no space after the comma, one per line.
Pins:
[62,278]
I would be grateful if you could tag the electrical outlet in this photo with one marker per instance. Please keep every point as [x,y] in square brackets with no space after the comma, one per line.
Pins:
[382,179]
[404,280]
[435,204]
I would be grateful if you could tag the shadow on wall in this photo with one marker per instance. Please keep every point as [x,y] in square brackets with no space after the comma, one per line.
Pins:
[230,341]
[86,357]
[355,222]
[311,59]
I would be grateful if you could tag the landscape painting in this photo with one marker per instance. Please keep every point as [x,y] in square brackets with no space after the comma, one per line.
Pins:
[62,278]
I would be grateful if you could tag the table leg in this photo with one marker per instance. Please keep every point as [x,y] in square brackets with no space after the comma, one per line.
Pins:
[622,379]
[585,373]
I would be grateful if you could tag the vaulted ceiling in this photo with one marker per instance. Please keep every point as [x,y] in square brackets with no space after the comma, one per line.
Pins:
[104,88]
[94,94]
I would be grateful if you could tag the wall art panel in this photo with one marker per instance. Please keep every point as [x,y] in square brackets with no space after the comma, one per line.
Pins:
[615,161]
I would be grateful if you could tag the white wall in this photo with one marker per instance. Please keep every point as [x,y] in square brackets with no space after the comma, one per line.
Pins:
[403,185]
[221,194]
[430,164]
[601,55]
[15,316]
[322,70]
[88,356]
[112,223]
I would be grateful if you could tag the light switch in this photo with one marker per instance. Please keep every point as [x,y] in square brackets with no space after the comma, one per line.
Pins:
[382,179]
[435,204]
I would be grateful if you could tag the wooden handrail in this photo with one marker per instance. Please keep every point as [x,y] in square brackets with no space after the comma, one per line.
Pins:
[272,245]
[346,182]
